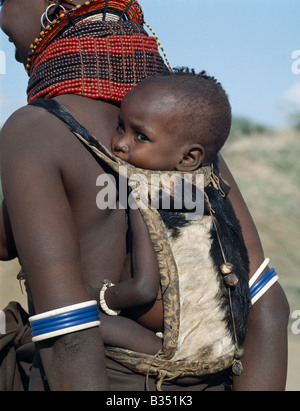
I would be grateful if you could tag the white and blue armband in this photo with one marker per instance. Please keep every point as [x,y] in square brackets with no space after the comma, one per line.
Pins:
[259,286]
[64,320]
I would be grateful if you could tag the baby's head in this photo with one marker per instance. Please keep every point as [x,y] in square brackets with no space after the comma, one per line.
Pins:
[173,122]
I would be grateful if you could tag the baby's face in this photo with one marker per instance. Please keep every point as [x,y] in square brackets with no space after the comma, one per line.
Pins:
[146,134]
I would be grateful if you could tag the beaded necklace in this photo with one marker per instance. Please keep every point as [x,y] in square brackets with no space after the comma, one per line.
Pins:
[81,54]
[128,8]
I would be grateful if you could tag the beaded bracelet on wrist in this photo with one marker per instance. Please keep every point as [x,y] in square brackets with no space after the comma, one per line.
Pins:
[107,284]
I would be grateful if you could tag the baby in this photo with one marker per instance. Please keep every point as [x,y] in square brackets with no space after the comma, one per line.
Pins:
[173,122]
[169,122]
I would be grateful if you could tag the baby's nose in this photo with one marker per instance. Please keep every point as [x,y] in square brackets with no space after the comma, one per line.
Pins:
[121,145]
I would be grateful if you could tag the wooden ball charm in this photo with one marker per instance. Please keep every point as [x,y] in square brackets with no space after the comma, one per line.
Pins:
[226,268]
[231,280]
[237,368]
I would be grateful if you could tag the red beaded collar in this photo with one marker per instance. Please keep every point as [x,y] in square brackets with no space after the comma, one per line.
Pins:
[92,58]
[131,9]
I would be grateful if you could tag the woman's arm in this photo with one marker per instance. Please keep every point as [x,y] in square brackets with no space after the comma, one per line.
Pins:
[46,237]
[265,362]
[251,237]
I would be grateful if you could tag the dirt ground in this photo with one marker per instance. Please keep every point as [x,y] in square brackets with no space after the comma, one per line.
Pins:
[10,290]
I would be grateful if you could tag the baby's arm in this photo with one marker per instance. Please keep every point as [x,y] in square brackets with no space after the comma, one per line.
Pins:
[125,333]
[143,287]
[7,245]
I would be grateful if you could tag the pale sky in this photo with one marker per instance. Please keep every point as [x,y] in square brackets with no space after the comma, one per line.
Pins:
[251,46]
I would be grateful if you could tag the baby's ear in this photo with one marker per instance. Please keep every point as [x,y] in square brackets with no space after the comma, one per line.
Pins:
[192,158]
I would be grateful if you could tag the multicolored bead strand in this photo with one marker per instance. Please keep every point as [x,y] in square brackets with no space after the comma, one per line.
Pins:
[161,47]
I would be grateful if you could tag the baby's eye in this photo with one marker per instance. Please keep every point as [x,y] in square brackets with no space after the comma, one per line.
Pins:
[142,137]
[120,127]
